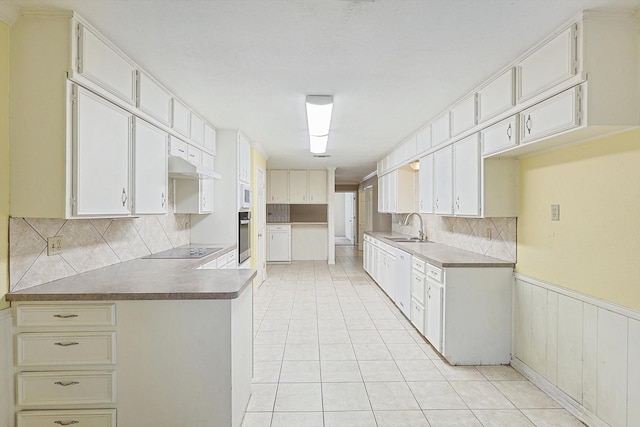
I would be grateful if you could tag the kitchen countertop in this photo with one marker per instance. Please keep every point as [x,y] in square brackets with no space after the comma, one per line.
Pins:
[145,279]
[297,223]
[441,255]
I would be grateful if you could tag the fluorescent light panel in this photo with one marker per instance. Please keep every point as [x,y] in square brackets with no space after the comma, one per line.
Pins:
[319,109]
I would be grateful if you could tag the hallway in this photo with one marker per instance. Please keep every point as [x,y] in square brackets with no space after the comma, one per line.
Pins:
[332,350]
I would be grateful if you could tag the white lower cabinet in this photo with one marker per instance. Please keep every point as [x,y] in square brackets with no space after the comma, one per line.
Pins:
[433,321]
[80,417]
[279,243]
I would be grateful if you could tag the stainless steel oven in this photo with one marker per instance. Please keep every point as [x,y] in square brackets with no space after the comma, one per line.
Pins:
[244,240]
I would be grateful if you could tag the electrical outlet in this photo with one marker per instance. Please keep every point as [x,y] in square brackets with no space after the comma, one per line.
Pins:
[54,245]
[487,234]
[555,212]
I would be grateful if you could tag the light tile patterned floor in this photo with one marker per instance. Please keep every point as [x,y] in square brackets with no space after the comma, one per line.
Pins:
[331,350]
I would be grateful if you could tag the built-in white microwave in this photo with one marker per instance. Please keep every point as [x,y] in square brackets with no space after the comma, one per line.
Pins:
[245,197]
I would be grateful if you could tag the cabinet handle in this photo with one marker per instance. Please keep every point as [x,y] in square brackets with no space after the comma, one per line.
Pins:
[509,132]
[180,150]
[163,200]
[527,124]
[124,197]
[65,316]
[66,383]
[66,344]
[66,423]
[458,203]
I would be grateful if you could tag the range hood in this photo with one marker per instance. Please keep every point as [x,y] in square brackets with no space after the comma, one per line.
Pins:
[180,168]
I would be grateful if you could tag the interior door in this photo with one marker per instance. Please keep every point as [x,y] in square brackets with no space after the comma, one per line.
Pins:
[348,217]
[261,266]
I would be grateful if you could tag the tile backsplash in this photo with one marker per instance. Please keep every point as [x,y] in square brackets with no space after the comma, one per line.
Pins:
[88,244]
[466,233]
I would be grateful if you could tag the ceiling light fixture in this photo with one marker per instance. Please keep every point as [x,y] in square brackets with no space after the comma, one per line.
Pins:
[319,109]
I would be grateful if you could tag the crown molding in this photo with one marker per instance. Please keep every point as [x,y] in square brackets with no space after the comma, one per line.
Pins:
[8,12]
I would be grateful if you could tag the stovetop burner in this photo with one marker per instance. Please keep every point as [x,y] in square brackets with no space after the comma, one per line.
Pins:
[183,253]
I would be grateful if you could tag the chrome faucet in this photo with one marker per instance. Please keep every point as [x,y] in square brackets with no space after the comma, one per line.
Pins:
[421,232]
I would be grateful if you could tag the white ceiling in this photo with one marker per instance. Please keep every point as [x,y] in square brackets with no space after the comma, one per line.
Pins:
[391,65]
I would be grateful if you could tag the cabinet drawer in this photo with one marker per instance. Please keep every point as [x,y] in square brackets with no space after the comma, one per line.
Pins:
[177,148]
[65,388]
[66,315]
[278,228]
[79,417]
[500,136]
[418,264]
[554,115]
[434,273]
[194,155]
[417,315]
[81,348]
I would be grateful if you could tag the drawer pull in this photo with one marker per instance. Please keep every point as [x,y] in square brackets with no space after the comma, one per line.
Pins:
[65,316]
[66,344]
[66,423]
[66,383]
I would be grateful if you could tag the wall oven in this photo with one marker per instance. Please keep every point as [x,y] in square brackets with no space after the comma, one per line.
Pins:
[244,240]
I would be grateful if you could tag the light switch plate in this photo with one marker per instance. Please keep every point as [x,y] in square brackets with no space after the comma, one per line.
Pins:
[54,245]
[555,212]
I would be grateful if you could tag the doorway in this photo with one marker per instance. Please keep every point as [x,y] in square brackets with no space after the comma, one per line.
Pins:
[345,219]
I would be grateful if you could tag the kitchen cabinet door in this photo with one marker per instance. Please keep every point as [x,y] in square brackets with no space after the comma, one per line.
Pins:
[197,129]
[549,65]
[279,243]
[318,186]
[150,169]
[425,184]
[105,66]
[433,327]
[552,116]
[440,129]
[153,99]
[101,146]
[501,136]
[466,179]
[497,96]
[298,186]
[244,159]
[463,115]
[210,138]
[423,139]
[443,181]
[206,195]
[278,186]
[181,118]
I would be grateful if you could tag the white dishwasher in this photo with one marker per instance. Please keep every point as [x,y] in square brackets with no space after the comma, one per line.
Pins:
[403,281]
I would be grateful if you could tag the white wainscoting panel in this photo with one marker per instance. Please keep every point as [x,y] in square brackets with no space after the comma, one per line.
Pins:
[6,369]
[611,388]
[583,351]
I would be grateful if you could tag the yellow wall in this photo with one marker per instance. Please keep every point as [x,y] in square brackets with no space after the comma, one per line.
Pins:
[4,162]
[595,247]
[257,161]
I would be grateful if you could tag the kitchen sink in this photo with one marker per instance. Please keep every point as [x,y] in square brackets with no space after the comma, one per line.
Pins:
[406,240]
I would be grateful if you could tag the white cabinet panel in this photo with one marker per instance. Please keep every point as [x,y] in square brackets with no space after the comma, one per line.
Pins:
[589,356]
[611,387]
[317,186]
[570,346]
[105,66]
[65,388]
[423,139]
[67,315]
[278,186]
[500,136]
[466,181]
[633,409]
[426,183]
[550,64]
[206,195]
[181,118]
[440,129]
[194,155]
[554,115]
[101,140]
[433,327]
[208,161]
[150,171]
[279,243]
[81,417]
[55,348]
[497,96]
[153,99]
[197,129]
[244,159]
[210,138]
[463,115]
[417,315]
[443,181]
[298,186]
[538,328]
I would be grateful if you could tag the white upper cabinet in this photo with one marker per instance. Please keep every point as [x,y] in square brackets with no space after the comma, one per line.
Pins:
[153,99]
[181,118]
[278,186]
[244,159]
[101,144]
[197,129]
[298,186]
[150,169]
[550,64]
[443,183]
[463,115]
[501,136]
[318,186]
[210,138]
[425,185]
[497,96]
[440,129]
[466,180]
[101,63]
[556,114]
[194,155]
[423,139]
